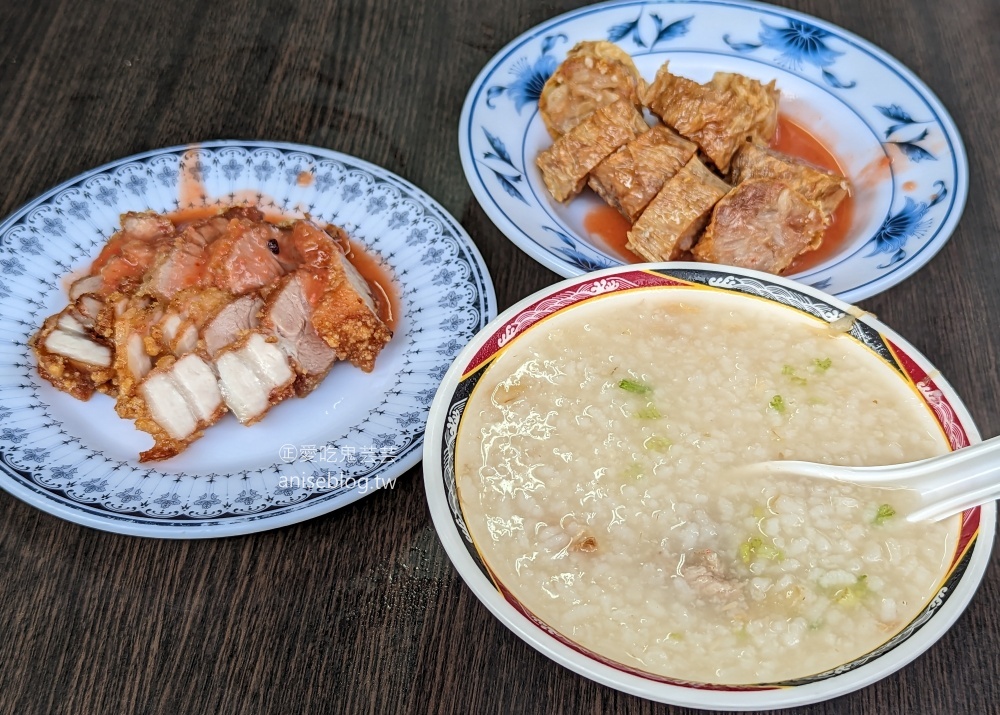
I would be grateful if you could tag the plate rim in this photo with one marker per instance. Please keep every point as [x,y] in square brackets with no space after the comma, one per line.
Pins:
[873,287]
[82,513]
[780,697]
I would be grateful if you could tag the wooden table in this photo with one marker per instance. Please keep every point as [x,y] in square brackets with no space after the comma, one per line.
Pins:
[360,610]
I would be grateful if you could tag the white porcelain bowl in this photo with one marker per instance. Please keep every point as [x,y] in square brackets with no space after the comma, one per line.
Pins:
[972,550]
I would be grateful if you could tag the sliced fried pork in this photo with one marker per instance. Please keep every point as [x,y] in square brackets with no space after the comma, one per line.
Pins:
[672,221]
[119,269]
[88,285]
[70,358]
[761,224]
[87,310]
[232,322]
[179,399]
[149,332]
[633,175]
[718,116]
[117,272]
[134,353]
[288,316]
[186,316]
[236,251]
[826,188]
[254,375]
[244,259]
[566,164]
[129,254]
[227,312]
[593,75]
[344,311]
[185,264]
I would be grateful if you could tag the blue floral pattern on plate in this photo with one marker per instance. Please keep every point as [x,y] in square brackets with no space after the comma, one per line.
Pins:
[359,432]
[919,197]
[797,43]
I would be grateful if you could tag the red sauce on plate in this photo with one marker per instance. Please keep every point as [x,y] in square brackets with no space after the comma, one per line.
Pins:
[609,227]
[795,141]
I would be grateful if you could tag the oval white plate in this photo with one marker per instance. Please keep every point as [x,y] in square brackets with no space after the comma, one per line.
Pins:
[355,433]
[972,553]
[894,138]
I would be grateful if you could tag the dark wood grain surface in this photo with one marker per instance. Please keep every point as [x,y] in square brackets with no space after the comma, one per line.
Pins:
[360,610]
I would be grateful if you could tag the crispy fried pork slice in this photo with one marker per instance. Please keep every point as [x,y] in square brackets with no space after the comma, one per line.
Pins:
[88,285]
[185,317]
[287,315]
[149,331]
[761,224]
[344,311]
[718,116]
[633,175]
[118,271]
[134,353]
[593,75]
[566,164]
[228,312]
[232,323]
[234,251]
[254,375]
[87,310]
[122,263]
[179,400]
[826,188]
[347,317]
[183,266]
[245,257]
[71,358]
[673,219]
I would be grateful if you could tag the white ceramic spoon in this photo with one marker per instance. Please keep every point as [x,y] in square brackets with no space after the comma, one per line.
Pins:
[942,486]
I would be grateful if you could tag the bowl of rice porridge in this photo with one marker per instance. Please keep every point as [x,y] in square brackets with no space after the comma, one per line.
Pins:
[583,473]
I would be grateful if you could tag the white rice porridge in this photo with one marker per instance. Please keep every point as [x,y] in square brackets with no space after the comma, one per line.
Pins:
[596,470]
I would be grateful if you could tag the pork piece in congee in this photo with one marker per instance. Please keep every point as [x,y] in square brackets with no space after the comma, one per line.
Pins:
[761,224]
[633,175]
[567,163]
[673,219]
[593,75]
[718,116]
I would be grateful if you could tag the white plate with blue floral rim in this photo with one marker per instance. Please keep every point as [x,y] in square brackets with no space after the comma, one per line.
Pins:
[895,140]
[357,432]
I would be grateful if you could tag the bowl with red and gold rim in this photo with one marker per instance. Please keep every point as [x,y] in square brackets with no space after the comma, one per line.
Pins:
[845,105]
[582,465]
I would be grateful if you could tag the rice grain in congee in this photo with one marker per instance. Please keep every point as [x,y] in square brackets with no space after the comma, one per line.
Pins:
[596,470]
